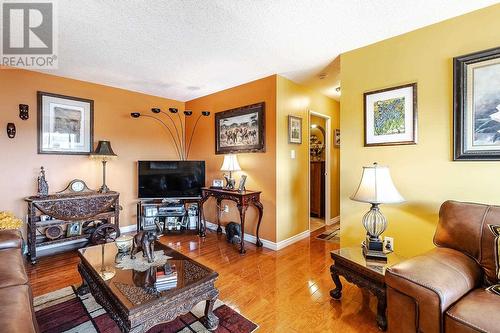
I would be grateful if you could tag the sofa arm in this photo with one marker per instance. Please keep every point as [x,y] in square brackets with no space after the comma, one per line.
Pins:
[10,239]
[419,290]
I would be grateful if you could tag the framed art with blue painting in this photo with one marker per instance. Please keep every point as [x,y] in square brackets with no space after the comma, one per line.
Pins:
[391,116]
[476,114]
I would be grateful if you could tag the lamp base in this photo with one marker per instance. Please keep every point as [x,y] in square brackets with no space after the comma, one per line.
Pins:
[374,249]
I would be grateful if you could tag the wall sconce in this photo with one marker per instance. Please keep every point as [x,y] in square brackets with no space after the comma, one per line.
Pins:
[24,111]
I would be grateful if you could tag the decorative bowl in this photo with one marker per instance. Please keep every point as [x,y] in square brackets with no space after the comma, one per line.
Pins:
[124,243]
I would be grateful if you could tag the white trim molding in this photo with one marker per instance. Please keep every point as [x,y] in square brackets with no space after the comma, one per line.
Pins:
[334,220]
[266,243]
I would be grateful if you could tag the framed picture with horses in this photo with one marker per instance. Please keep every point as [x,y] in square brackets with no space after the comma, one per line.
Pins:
[241,130]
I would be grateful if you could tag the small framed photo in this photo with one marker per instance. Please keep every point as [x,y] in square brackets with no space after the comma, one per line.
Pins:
[476,111]
[74,229]
[391,116]
[336,138]
[65,124]
[243,180]
[294,129]
[218,183]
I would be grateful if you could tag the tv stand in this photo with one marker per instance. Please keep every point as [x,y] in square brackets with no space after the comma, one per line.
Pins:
[169,215]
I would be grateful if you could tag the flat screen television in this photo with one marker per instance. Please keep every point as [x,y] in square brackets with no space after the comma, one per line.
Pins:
[171,179]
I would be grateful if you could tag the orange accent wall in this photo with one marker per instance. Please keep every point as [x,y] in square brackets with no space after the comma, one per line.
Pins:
[259,167]
[131,139]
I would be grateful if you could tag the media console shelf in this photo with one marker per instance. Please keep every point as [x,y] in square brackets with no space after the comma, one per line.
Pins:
[169,215]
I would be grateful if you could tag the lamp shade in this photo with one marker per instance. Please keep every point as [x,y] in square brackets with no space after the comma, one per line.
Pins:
[103,150]
[230,163]
[376,186]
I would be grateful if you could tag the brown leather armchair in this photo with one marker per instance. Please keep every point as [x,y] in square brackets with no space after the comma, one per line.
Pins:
[444,290]
[16,301]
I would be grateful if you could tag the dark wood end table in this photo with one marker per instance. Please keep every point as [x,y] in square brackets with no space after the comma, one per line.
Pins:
[243,200]
[369,274]
[127,294]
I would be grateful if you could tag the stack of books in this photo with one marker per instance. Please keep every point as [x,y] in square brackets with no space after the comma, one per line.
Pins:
[166,278]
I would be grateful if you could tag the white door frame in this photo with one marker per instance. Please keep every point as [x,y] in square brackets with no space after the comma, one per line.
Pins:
[328,147]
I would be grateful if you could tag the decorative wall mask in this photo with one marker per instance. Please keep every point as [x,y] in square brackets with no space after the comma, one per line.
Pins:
[24,111]
[11,130]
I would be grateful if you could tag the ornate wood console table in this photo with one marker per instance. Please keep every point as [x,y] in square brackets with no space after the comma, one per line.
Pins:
[93,211]
[243,200]
[369,274]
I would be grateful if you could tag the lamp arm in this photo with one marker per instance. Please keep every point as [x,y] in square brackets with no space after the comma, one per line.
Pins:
[176,132]
[183,145]
[169,130]
[192,134]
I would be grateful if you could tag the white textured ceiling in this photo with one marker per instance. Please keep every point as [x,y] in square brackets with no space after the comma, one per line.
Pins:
[183,49]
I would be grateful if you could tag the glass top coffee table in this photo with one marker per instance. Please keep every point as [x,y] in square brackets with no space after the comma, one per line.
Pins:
[129,294]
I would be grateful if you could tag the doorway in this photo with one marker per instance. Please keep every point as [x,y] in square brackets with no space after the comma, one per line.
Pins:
[320,141]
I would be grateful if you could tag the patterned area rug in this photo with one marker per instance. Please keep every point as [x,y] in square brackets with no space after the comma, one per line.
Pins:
[64,311]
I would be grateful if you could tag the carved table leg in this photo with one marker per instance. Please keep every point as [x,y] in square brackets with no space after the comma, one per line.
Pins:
[203,222]
[242,209]
[84,287]
[219,229]
[381,312]
[260,208]
[337,292]
[210,320]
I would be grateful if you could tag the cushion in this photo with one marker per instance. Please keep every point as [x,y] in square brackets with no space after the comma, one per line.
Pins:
[12,270]
[475,312]
[490,246]
[16,314]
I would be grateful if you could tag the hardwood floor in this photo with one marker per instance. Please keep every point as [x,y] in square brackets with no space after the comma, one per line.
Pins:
[285,291]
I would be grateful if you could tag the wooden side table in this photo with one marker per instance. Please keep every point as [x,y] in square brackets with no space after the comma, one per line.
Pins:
[243,200]
[369,274]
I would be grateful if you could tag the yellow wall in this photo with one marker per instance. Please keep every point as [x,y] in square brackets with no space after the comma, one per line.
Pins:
[292,192]
[424,173]
[259,167]
[131,139]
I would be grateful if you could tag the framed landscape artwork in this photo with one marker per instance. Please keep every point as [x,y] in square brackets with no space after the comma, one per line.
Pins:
[240,130]
[476,114]
[336,138]
[65,124]
[294,129]
[391,116]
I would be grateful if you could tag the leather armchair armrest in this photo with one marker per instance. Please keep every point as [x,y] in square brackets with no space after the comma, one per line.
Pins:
[10,239]
[422,288]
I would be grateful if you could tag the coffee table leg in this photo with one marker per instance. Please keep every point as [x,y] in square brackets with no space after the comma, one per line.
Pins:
[84,287]
[337,292]
[381,310]
[210,320]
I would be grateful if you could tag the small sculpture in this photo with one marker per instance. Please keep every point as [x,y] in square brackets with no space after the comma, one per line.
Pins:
[43,186]
[233,232]
[230,183]
[145,279]
[145,241]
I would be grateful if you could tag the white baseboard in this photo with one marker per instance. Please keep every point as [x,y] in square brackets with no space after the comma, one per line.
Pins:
[267,243]
[334,220]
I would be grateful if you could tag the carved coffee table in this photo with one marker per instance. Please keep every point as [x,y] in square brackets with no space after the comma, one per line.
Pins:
[369,274]
[127,294]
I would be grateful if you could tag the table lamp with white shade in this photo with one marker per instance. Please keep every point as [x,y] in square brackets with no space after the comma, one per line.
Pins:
[376,187]
[230,164]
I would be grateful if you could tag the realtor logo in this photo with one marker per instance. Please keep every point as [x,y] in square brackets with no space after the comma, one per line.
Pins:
[28,35]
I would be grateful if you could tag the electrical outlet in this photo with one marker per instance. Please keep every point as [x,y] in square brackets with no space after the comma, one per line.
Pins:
[389,243]
[226,209]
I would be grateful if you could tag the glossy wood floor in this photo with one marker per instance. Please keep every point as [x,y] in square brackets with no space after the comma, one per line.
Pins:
[285,291]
